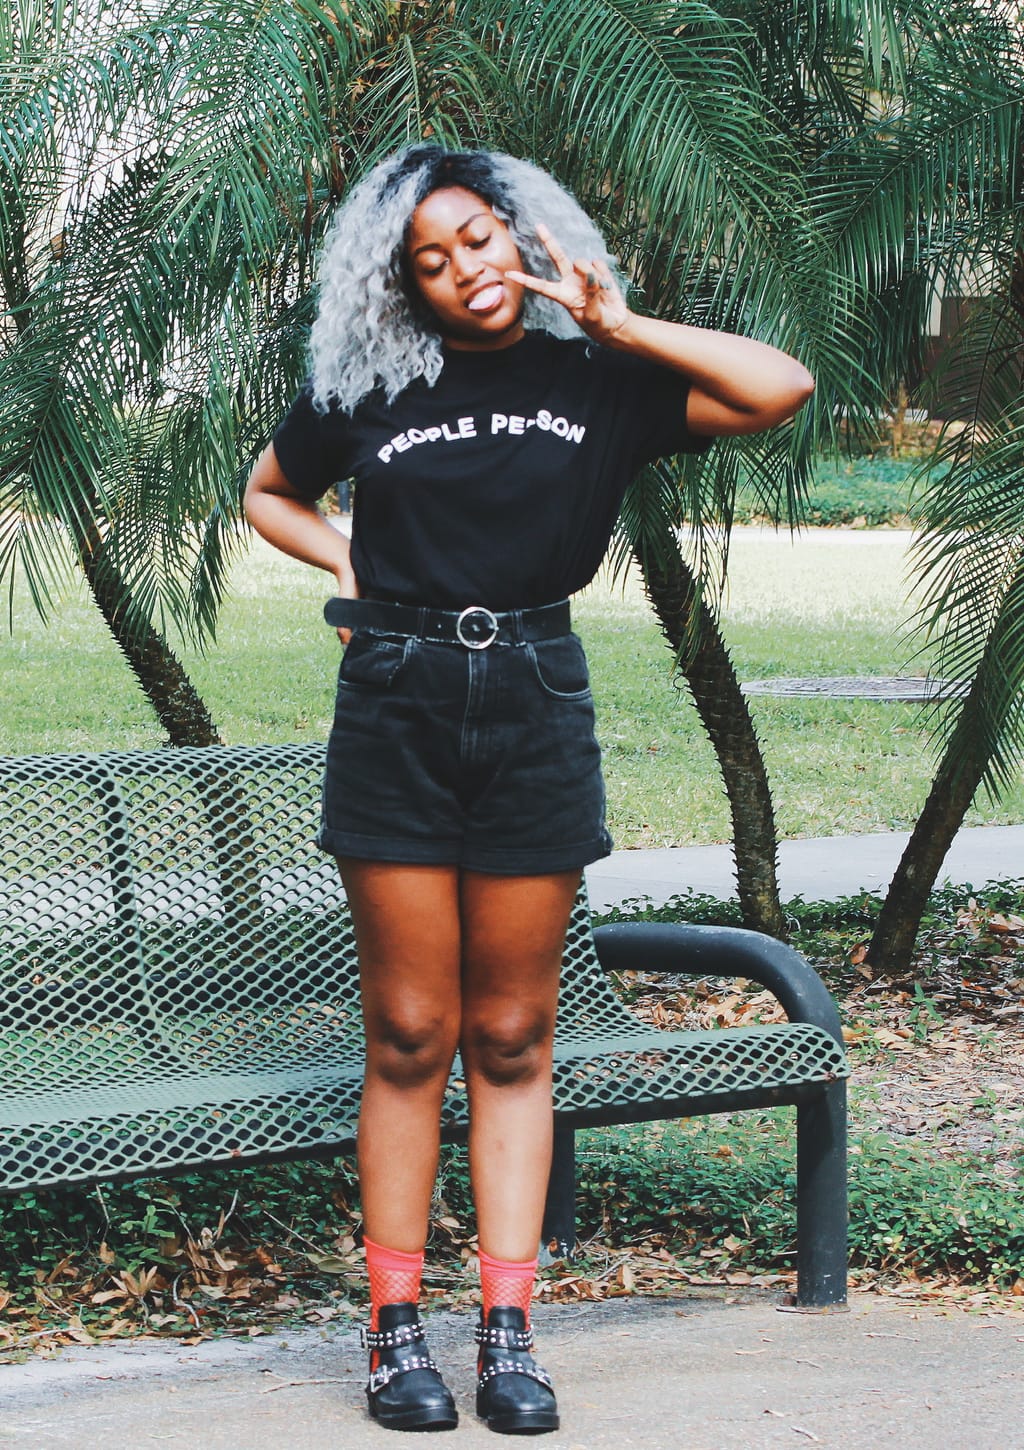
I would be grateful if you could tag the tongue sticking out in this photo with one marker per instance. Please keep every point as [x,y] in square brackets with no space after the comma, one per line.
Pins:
[488,298]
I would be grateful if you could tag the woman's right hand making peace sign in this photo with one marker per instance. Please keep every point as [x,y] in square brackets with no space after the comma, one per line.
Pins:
[587,290]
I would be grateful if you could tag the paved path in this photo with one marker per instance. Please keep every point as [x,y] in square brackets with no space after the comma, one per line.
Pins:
[632,1374]
[817,870]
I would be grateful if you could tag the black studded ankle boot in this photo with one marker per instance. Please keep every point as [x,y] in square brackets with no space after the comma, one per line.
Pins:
[405,1391]
[513,1394]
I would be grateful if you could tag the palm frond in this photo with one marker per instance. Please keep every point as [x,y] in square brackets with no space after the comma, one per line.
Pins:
[970,556]
[806,174]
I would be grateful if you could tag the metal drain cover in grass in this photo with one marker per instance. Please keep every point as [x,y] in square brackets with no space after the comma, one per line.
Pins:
[857,687]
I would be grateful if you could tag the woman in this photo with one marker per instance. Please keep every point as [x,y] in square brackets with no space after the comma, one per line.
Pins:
[486,385]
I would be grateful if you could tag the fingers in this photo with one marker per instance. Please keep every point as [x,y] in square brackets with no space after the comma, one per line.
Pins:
[348,588]
[555,290]
[580,274]
[594,272]
[560,258]
[570,271]
[591,277]
[583,286]
[605,279]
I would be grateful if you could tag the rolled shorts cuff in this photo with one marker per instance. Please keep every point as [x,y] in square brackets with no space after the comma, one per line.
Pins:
[542,861]
[432,852]
[568,856]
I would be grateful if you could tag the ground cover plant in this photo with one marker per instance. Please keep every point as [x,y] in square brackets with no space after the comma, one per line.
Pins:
[937,1106]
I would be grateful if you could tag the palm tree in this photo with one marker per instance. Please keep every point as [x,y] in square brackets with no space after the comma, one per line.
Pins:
[166,176]
[148,251]
[971,559]
[927,192]
[892,132]
[234,135]
[914,175]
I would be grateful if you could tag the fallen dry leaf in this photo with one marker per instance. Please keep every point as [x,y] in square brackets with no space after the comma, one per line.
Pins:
[334,1263]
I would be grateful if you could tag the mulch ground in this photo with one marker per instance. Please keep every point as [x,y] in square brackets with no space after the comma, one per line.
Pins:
[937,1056]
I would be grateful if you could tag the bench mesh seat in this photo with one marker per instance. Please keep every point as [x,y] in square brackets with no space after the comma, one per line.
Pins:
[178,981]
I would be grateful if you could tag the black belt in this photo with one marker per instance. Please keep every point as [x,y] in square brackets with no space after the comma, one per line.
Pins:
[475,627]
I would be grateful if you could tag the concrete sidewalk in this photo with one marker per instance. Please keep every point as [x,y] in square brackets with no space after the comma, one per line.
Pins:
[817,870]
[632,1374]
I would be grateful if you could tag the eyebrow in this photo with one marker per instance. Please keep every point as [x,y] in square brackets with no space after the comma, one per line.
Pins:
[432,246]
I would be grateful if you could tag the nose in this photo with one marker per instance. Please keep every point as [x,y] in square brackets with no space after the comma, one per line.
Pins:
[468,266]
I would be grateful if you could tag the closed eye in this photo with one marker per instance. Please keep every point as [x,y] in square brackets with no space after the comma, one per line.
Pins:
[475,245]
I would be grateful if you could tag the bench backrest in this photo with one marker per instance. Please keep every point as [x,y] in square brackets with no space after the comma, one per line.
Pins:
[177,894]
[178,978]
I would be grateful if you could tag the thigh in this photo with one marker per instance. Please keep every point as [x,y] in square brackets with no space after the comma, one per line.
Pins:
[513,937]
[408,936]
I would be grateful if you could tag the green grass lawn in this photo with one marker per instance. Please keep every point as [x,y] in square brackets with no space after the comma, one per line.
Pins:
[829,602]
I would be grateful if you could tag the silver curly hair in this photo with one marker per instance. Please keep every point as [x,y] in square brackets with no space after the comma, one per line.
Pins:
[371,329]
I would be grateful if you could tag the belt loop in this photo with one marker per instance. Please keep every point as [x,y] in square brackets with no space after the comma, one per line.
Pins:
[518,637]
[421,623]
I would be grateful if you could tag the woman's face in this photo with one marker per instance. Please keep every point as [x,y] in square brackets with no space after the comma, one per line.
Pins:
[458,252]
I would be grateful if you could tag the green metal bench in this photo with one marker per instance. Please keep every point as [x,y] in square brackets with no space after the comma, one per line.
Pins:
[178,986]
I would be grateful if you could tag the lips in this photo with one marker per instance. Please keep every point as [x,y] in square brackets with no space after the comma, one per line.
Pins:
[487,299]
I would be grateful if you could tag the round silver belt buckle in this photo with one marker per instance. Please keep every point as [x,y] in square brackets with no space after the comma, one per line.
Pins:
[487,621]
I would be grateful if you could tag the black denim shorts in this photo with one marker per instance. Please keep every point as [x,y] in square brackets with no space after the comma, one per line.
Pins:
[481,758]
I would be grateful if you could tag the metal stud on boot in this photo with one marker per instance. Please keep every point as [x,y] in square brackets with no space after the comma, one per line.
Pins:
[405,1390]
[513,1394]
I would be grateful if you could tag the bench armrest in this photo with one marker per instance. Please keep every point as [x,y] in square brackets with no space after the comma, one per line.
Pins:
[721,951]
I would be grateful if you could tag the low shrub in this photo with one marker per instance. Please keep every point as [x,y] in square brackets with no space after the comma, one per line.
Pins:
[702,1182]
[862,492]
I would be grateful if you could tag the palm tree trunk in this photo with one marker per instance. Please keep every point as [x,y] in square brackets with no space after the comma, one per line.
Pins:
[722,707]
[178,704]
[183,714]
[956,781]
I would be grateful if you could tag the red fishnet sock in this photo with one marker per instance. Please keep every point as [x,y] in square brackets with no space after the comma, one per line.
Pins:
[507,1284]
[394,1279]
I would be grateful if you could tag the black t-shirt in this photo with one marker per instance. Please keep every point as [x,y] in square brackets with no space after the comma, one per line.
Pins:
[500,485]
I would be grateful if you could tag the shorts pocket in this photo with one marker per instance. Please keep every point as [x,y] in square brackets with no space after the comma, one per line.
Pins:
[371,663]
[561,667]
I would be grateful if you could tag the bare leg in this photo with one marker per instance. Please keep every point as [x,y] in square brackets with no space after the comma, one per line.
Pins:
[408,935]
[513,935]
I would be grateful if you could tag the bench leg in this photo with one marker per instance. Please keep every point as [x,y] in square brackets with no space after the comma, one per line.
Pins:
[821,1205]
[559,1231]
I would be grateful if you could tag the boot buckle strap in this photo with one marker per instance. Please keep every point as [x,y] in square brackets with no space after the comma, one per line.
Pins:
[380,1376]
[513,1366]
[499,1336]
[391,1338]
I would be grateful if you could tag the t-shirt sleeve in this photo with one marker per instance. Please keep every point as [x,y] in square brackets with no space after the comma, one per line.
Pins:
[656,397]
[310,447]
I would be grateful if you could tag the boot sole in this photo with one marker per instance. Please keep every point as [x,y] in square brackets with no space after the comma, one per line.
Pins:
[414,1419]
[539,1422]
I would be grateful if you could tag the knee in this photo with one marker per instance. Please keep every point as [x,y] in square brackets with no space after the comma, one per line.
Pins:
[514,1049]
[410,1051]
